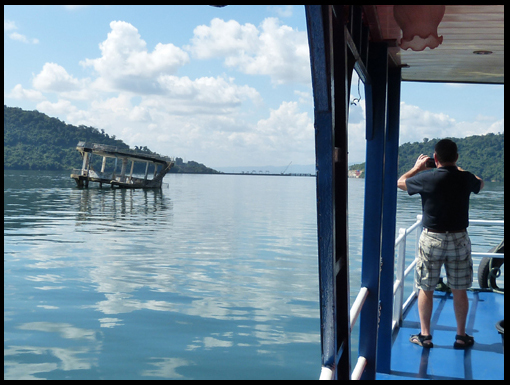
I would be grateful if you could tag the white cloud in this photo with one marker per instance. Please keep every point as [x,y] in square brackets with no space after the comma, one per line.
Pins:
[223,39]
[283,10]
[136,95]
[19,93]
[205,95]
[60,108]
[9,25]
[267,50]
[23,38]
[127,65]
[75,6]
[304,97]
[287,134]
[286,120]
[54,78]
[416,124]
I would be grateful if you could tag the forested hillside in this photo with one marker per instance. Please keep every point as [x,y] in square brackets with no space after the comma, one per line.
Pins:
[34,141]
[483,155]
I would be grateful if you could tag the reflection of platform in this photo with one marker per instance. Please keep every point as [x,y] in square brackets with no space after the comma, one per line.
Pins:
[87,174]
[484,361]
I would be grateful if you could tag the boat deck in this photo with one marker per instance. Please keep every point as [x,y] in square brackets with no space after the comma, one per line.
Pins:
[484,361]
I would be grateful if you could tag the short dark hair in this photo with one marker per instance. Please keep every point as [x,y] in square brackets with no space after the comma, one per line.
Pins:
[446,151]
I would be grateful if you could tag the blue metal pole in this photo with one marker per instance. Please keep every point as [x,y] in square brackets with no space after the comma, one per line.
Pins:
[324,141]
[372,223]
[384,339]
[331,75]
[342,67]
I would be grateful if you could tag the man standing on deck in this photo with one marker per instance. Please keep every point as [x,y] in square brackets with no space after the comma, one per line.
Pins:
[445,192]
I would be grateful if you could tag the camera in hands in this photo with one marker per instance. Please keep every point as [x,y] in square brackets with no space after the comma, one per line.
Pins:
[431,163]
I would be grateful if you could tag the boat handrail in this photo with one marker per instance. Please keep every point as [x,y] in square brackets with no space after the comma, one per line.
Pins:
[357,305]
[399,306]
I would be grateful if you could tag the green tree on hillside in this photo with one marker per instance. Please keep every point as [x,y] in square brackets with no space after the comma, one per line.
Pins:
[483,155]
[34,141]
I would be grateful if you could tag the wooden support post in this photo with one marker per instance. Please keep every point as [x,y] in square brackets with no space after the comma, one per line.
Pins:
[87,155]
[146,170]
[103,166]
[123,170]
[88,165]
[131,173]
[114,168]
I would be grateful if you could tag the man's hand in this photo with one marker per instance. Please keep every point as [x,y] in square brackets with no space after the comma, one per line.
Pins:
[420,165]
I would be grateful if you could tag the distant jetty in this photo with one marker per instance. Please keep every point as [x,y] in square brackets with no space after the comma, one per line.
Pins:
[265,174]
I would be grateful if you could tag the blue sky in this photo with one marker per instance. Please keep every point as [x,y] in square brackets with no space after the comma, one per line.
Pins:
[222,86]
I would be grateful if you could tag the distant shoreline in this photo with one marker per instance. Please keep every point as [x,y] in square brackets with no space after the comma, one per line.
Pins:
[249,174]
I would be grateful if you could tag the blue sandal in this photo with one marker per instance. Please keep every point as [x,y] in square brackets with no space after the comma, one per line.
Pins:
[421,340]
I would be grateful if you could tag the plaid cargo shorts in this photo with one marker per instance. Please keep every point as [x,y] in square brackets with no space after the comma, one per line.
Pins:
[451,249]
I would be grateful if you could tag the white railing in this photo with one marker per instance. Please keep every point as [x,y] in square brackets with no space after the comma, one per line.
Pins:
[400,246]
[399,306]
[398,287]
[357,305]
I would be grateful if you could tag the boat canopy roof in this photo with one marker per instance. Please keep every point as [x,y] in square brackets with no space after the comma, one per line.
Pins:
[472,50]
[114,152]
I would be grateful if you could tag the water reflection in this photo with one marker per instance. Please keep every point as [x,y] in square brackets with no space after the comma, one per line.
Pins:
[110,205]
[166,368]
[217,273]
[228,268]
[71,349]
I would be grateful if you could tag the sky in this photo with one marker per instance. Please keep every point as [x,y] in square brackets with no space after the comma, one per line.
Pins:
[224,86]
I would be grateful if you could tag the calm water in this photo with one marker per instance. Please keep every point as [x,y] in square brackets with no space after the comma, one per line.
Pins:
[214,277]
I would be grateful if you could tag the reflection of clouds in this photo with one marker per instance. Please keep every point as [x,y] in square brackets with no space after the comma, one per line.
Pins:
[166,367]
[208,343]
[50,287]
[267,335]
[110,322]
[211,342]
[225,256]
[65,330]
[118,303]
[257,264]
[45,278]
[13,370]
[68,358]
[257,336]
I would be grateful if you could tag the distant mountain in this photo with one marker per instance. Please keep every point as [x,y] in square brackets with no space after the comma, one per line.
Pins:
[291,169]
[34,141]
[483,155]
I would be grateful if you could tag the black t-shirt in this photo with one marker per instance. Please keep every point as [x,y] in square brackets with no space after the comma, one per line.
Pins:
[444,197]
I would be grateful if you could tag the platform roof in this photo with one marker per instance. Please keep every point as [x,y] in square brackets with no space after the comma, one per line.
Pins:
[114,152]
[466,29]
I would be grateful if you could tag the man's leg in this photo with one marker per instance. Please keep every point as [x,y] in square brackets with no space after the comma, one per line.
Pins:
[461,307]
[425,302]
